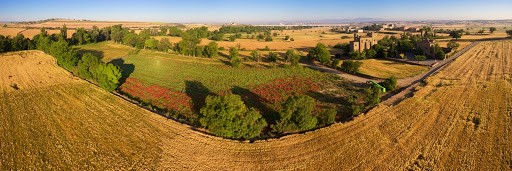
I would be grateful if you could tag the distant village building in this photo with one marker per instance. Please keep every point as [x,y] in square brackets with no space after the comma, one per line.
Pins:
[388,26]
[362,43]
[426,46]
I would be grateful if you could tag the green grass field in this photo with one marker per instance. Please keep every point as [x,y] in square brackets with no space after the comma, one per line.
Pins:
[173,71]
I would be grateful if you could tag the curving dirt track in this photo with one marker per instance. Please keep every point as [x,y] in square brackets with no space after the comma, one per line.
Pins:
[461,119]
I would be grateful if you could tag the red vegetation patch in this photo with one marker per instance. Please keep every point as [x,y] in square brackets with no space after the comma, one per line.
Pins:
[279,89]
[157,96]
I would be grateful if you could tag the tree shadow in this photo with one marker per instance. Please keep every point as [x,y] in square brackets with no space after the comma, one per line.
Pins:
[198,92]
[126,69]
[253,100]
[96,53]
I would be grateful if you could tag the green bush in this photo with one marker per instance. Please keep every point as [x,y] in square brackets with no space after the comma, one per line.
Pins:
[351,66]
[227,116]
[420,57]
[328,116]
[389,83]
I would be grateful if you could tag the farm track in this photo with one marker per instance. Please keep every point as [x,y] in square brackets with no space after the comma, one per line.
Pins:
[56,121]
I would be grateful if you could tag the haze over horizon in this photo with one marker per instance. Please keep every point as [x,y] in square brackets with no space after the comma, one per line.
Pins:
[264,11]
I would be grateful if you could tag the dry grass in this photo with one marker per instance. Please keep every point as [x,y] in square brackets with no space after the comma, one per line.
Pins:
[385,69]
[57,122]
[6,31]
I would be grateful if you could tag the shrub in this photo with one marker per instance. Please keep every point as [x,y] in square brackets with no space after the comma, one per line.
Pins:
[279,89]
[328,116]
[351,66]
[227,116]
[389,83]
[373,96]
[335,63]
[160,97]
[296,115]
[420,57]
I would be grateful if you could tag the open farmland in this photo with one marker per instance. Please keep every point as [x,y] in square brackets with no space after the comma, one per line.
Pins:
[460,119]
[303,39]
[10,31]
[379,68]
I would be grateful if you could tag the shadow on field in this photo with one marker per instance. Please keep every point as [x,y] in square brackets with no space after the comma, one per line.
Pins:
[126,69]
[255,101]
[96,53]
[198,92]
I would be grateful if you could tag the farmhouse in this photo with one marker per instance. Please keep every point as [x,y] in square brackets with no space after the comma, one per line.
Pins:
[426,46]
[362,43]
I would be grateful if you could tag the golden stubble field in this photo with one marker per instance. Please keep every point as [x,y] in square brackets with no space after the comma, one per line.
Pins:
[460,119]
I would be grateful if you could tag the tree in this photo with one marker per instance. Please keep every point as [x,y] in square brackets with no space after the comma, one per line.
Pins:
[268,39]
[212,49]
[296,115]
[389,83]
[273,57]
[509,32]
[481,31]
[373,96]
[5,44]
[189,42]
[163,31]
[131,39]
[87,66]
[371,54]
[328,116]
[227,116]
[351,66]
[233,53]
[335,63]
[66,56]
[287,37]
[456,34]
[199,51]
[453,45]
[117,33]
[19,43]
[151,43]
[108,76]
[232,38]
[320,53]
[440,55]
[492,30]
[256,55]
[164,45]
[290,53]
[43,42]
[64,32]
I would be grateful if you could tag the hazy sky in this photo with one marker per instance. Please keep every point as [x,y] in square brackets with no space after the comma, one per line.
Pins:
[253,11]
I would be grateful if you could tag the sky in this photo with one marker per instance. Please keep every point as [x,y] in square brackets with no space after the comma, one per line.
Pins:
[253,11]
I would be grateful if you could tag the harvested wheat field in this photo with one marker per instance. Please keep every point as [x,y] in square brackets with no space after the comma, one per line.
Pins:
[10,31]
[460,119]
